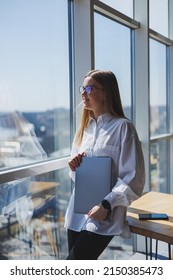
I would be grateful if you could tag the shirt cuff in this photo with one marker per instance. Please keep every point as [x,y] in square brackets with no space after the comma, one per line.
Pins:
[72,175]
[121,195]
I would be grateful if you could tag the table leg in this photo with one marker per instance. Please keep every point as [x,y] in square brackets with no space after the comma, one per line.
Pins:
[146,247]
[169,251]
[156,250]
[151,253]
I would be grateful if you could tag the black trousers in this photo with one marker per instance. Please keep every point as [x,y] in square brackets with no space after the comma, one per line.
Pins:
[86,245]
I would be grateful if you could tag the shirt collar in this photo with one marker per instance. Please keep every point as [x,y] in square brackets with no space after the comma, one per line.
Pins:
[102,118]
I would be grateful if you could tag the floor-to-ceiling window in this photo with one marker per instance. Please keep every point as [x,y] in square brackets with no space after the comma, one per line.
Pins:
[35,127]
[159,77]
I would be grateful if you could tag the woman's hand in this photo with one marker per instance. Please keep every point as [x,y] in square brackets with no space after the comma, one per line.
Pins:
[98,213]
[75,161]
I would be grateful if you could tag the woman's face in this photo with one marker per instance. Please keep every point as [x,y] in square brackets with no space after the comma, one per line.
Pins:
[95,99]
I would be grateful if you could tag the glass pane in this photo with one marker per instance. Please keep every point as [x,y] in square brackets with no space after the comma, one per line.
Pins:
[34,81]
[159,166]
[123,6]
[113,52]
[32,217]
[158,92]
[158,13]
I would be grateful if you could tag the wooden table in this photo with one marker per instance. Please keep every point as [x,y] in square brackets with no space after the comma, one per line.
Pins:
[153,202]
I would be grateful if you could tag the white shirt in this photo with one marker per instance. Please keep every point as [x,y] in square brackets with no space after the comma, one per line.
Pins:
[118,139]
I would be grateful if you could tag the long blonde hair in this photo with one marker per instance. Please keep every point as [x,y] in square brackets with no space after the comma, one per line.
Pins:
[108,81]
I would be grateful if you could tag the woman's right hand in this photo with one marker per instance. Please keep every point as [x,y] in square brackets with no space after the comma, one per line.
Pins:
[75,161]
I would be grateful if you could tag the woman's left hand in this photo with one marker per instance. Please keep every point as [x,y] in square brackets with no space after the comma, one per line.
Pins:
[98,213]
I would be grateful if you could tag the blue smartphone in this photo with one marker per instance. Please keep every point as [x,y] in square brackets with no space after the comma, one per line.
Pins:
[153,216]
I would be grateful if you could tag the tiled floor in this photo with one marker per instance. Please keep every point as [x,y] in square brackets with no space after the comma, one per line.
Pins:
[118,249]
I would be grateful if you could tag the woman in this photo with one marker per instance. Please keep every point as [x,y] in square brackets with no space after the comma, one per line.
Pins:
[104,131]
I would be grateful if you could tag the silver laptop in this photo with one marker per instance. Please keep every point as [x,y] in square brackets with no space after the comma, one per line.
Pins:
[93,182]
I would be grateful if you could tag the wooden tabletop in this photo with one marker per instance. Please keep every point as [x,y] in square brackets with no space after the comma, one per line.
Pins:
[152,202]
[42,188]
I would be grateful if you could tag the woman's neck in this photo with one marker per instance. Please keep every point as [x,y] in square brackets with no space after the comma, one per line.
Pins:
[98,114]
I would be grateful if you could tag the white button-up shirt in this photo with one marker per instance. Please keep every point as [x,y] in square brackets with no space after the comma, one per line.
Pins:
[116,138]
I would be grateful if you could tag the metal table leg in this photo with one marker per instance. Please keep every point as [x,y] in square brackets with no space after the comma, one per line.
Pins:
[156,252]
[151,253]
[146,248]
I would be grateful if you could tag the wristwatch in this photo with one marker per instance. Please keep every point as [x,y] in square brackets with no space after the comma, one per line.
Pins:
[107,206]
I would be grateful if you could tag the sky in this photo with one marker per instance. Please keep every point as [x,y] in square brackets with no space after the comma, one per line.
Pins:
[124,6]
[33,54]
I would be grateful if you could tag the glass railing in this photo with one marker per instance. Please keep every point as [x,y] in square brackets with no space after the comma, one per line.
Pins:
[32,217]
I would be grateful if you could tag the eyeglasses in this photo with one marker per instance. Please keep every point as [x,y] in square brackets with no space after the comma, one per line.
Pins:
[87,89]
